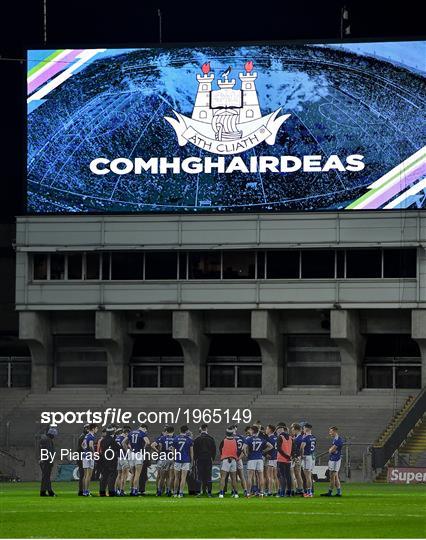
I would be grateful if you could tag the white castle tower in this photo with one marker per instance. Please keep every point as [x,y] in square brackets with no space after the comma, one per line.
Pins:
[251,109]
[202,110]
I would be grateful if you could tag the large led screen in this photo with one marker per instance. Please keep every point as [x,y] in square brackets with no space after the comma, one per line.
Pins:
[259,128]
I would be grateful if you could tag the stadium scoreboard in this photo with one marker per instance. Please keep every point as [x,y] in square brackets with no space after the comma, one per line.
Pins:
[227,128]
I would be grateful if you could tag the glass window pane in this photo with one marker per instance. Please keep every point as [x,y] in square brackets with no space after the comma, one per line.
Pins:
[75,266]
[57,266]
[204,265]
[312,376]
[363,263]
[249,376]
[260,265]
[21,374]
[222,376]
[145,376]
[379,377]
[171,376]
[92,265]
[238,265]
[105,266]
[182,265]
[3,374]
[408,377]
[399,263]
[340,264]
[40,265]
[317,264]
[161,265]
[126,266]
[282,264]
[89,375]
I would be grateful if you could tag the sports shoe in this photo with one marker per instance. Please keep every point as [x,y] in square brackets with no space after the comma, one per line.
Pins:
[236,496]
[220,495]
[328,494]
[337,495]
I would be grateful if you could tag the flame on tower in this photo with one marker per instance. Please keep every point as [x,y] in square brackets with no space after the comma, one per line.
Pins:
[205,68]
[248,66]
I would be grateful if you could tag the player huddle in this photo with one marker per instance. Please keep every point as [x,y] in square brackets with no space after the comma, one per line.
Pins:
[279,460]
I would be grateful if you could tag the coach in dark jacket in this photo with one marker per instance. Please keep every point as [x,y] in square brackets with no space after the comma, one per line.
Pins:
[109,451]
[80,461]
[204,455]
[46,465]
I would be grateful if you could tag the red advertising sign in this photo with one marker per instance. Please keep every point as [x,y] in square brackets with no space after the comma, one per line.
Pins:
[407,475]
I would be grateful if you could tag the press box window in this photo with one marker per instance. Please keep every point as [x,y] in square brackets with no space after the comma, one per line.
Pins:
[57,266]
[40,266]
[363,263]
[238,265]
[75,265]
[318,264]
[399,263]
[161,265]
[204,265]
[283,264]
[126,266]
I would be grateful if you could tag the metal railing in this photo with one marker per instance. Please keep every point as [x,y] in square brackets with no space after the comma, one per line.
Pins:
[382,453]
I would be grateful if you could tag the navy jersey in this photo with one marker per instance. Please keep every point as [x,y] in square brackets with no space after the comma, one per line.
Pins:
[240,444]
[136,440]
[182,444]
[255,447]
[338,443]
[119,440]
[297,441]
[166,442]
[272,439]
[310,444]
[85,445]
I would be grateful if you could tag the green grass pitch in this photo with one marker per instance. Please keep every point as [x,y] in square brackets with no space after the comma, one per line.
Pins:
[364,511]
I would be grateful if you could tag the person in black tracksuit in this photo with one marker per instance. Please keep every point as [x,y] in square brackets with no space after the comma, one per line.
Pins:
[109,452]
[46,466]
[80,461]
[204,455]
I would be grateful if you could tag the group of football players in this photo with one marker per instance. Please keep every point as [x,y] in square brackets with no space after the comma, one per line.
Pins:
[275,460]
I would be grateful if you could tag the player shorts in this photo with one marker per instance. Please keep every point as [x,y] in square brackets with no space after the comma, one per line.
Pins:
[334,465]
[135,458]
[308,463]
[88,463]
[228,465]
[255,465]
[182,466]
[164,464]
[122,464]
[296,463]
[240,465]
[272,463]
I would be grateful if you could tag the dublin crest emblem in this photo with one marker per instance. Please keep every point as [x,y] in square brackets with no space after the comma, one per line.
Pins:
[227,120]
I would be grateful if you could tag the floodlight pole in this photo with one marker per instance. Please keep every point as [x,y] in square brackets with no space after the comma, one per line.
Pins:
[160,24]
[45,22]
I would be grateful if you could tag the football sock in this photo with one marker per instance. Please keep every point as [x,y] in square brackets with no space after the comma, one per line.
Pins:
[339,491]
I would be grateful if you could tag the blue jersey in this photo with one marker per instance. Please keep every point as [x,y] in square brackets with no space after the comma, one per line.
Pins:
[240,444]
[338,443]
[85,445]
[310,444]
[136,440]
[272,439]
[119,440]
[297,441]
[182,444]
[255,445]
[166,442]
